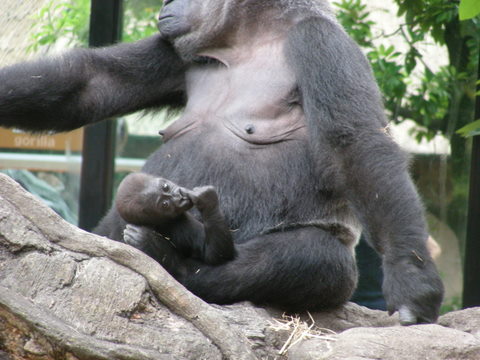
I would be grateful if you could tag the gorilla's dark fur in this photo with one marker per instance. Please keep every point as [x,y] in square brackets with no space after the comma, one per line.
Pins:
[283,117]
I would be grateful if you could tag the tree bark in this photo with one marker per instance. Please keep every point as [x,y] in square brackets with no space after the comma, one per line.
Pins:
[45,261]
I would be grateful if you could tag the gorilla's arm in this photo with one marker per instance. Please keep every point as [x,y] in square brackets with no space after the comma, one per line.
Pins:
[344,112]
[88,85]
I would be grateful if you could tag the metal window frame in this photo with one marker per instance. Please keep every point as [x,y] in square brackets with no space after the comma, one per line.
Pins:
[471,272]
[98,156]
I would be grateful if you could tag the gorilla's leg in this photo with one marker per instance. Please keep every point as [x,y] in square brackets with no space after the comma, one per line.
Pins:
[306,268]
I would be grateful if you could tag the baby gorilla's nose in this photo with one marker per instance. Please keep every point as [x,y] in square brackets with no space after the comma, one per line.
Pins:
[177,195]
[182,193]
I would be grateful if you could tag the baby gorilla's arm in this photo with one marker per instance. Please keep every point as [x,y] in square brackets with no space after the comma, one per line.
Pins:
[218,245]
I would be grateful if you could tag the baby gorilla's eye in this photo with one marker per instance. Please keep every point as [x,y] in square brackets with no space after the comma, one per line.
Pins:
[165,187]
[165,204]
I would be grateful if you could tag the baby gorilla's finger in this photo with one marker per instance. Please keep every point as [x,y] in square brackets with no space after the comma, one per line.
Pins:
[132,235]
[206,198]
[190,194]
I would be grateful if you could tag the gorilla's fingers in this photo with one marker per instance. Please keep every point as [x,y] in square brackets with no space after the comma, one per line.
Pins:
[204,197]
[132,235]
[406,316]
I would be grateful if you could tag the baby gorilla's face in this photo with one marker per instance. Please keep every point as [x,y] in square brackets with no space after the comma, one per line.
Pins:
[170,199]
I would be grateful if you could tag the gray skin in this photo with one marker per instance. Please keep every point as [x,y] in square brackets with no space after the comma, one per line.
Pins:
[283,117]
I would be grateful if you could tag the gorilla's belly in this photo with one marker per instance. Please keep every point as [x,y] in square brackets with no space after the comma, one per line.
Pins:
[261,187]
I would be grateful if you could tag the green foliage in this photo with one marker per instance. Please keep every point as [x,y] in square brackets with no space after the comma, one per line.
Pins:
[139,24]
[471,129]
[439,18]
[354,18]
[469,9]
[390,74]
[427,17]
[452,304]
[428,99]
[68,21]
[140,19]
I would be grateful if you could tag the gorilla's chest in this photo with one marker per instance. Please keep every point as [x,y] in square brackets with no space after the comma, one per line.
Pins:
[245,101]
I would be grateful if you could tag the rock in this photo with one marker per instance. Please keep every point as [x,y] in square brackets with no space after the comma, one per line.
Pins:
[392,343]
[346,317]
[352,315]
[467,320]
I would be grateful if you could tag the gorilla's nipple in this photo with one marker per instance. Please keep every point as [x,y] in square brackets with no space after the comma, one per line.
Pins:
[250,129]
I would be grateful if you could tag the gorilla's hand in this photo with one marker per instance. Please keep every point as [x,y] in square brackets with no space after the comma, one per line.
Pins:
[136,236]
[173,20]
[412,287]
[205,198]
[157,246]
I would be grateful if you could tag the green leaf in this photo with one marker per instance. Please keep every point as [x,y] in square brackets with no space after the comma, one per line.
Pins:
[471,129]
[469,9]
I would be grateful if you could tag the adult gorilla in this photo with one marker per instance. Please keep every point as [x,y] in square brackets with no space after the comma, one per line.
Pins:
[283,117]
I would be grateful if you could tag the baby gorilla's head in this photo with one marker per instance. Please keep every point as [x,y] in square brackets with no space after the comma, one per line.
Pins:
[143,199]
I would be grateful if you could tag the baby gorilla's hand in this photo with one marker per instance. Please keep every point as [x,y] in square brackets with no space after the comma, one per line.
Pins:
[136,236]
[205,198]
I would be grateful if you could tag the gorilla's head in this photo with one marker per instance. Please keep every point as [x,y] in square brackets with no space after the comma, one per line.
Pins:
[193,25]
[196,24]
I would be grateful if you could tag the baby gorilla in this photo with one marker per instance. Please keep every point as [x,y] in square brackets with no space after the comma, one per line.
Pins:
[157,209]
[153,201]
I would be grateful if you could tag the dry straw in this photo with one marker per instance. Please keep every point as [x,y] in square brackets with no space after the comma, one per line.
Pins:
[300,330]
